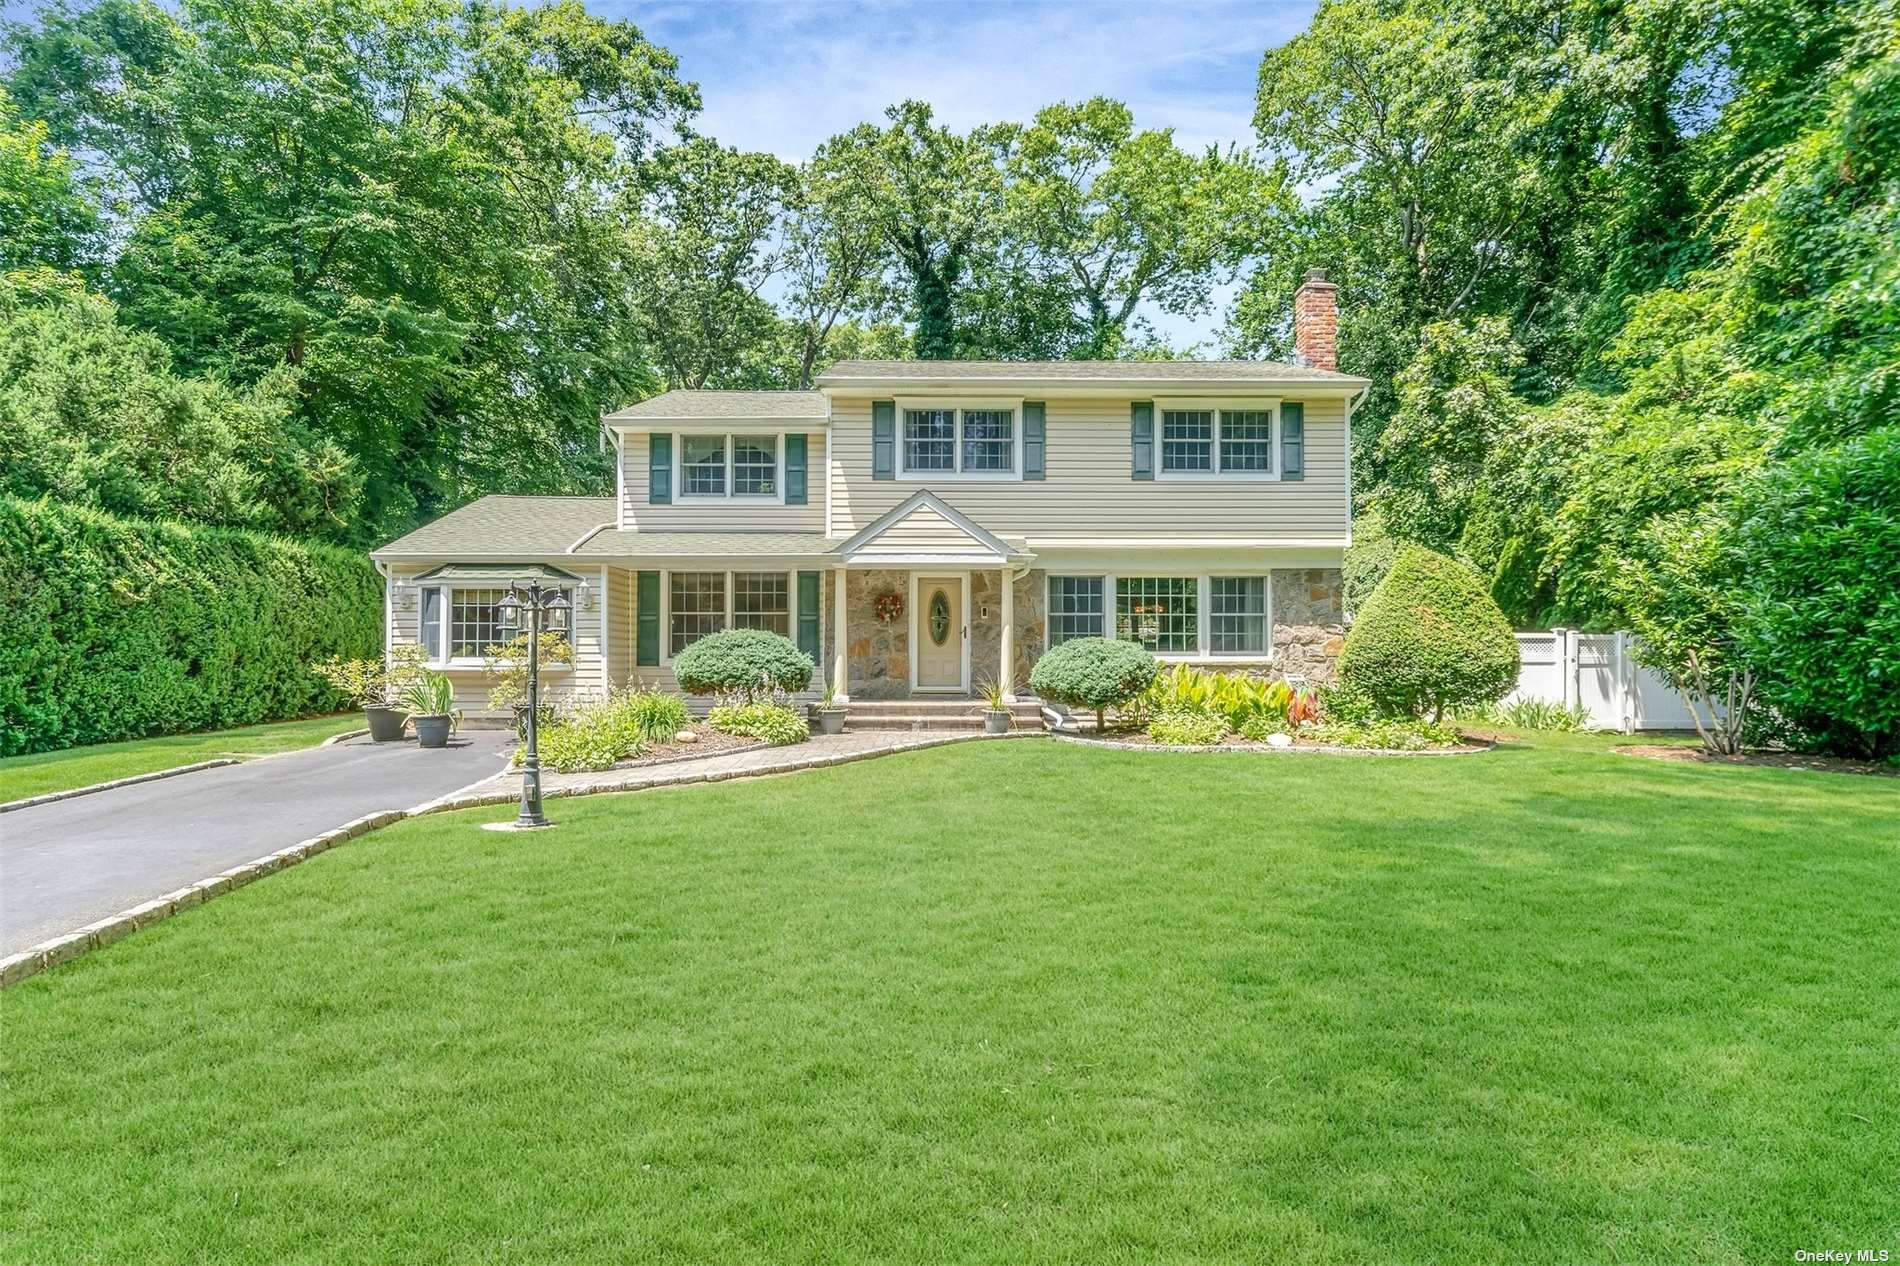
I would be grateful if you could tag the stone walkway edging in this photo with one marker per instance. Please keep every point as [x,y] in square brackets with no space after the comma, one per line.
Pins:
[1112,745]
[90,789]
[344,737]
[97,935]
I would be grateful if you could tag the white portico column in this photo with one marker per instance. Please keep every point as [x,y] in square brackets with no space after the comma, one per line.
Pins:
[1007,676]
[840,660]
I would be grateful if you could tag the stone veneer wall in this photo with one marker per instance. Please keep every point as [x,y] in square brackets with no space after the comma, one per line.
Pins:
[878,653]
[1308,622]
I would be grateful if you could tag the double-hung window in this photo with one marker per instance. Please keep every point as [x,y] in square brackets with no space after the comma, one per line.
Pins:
[1075,607]
[697,605]
[1211,439]
[946,440]
[730,466]
[1238,625]
[762,600]
[474,622]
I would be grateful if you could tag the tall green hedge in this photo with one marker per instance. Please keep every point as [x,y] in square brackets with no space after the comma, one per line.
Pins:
[117,628]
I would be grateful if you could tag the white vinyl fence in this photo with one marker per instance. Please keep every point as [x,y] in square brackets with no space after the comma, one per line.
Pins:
[1596,672]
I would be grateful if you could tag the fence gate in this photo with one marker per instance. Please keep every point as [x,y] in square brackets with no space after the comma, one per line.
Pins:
[1596,672]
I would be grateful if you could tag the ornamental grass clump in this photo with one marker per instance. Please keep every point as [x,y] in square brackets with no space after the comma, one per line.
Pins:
[748,663]
[1094,672]
[1428,640]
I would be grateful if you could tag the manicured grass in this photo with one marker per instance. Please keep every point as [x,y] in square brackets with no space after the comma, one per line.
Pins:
[43,772]
[1009,1002]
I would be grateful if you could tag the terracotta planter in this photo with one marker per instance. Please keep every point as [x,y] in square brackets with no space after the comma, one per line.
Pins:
[433,731]
[996,722]
[385,724]
[830,720]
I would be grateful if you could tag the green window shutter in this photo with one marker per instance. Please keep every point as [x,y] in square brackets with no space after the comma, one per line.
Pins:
[660,470]
[1141,439]
[809,605]
[1293,440]
[1035,439]
[884,440]
[647,619]
[795,480]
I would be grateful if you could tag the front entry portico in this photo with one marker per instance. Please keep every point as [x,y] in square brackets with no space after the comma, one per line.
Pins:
[922,556]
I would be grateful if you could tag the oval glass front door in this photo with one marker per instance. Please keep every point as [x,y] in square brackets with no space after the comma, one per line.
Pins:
[939,617]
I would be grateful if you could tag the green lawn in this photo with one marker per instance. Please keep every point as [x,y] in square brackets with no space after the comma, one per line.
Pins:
[1009,1002]
[43,772]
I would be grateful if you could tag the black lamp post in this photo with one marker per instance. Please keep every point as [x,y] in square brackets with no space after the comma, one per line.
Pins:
[536,602]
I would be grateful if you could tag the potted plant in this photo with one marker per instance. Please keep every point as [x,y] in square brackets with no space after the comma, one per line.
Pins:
[431,703]
[996,716]
[829,713]
[366,684]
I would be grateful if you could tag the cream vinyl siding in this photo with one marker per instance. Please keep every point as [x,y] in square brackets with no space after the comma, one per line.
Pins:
[471,682]
[924,531]
[1088,493]
[688,514]
[619,626]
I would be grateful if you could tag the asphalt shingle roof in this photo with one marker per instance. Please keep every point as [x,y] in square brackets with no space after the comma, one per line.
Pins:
[727,404]
[616,543]
[1066,371]
[506,525]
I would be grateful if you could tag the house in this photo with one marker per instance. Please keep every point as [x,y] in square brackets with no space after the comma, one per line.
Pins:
[919,527]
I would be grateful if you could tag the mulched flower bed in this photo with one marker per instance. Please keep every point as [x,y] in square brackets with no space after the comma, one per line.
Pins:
[1772,760]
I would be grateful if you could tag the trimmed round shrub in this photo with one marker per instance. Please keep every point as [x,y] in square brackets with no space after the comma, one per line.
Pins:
[1187,729]
[1821,615]
[746,662]
[1428,640]
[1094,672]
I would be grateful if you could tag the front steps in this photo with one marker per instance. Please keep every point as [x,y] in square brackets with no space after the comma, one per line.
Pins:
[933,714]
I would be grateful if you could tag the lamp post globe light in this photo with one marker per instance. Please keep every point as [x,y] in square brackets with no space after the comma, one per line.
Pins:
[534,603]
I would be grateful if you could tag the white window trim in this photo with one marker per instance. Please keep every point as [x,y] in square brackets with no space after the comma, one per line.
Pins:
[1203,611]
[1220,408]
[791,604]
[776,498]
[958,406]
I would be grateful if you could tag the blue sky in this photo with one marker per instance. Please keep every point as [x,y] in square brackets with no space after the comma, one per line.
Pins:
[784,76]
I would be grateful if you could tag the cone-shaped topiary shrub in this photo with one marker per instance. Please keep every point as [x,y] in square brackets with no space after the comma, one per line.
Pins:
[1429,639]
[748,662]
[1093,672]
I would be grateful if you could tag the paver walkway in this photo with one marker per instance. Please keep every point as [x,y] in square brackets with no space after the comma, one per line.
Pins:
[822,750]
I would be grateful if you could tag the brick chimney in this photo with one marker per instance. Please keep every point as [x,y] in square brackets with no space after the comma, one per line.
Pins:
[1316,321]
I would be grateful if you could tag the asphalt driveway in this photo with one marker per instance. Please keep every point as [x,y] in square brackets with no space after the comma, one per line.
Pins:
[65,864]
